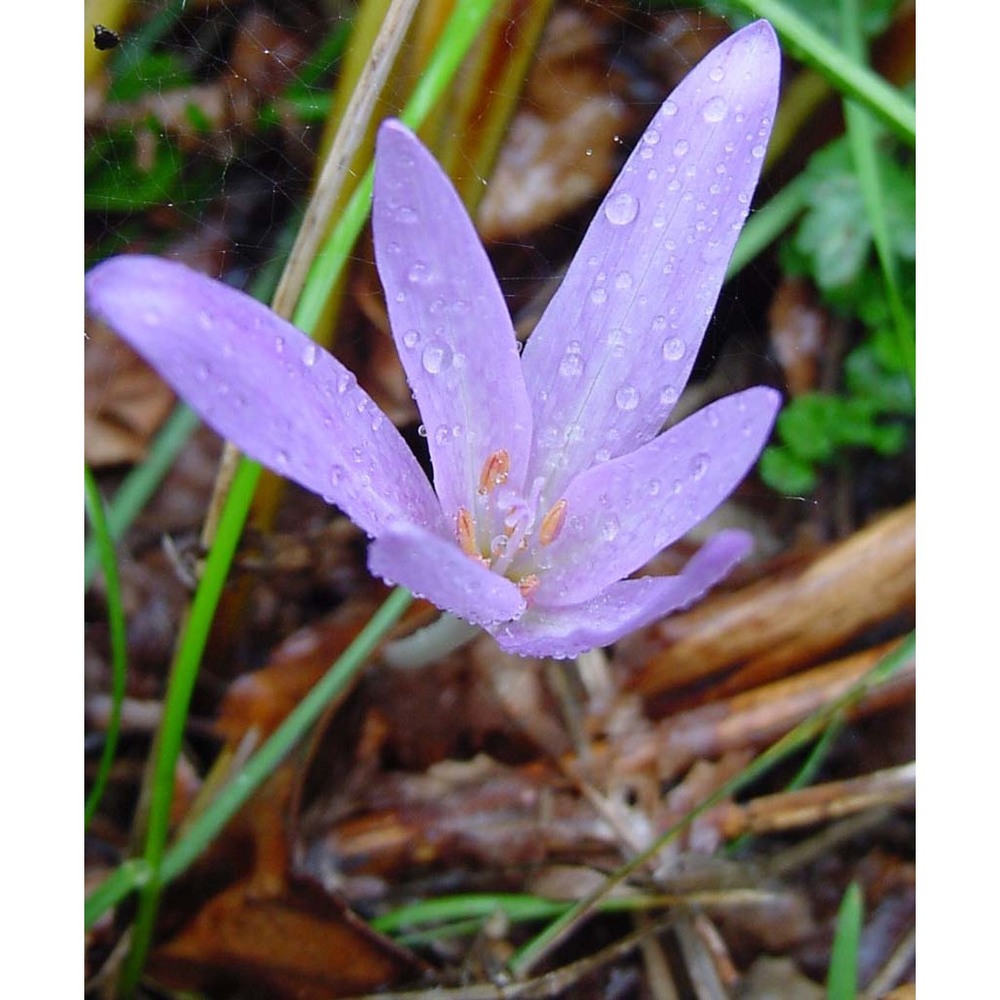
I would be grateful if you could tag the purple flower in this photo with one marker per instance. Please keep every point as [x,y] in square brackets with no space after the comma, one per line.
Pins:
[552,481]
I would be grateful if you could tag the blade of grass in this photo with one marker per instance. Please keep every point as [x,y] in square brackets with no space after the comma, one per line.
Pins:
[170,735]
[116,633]
[804,733]
[851,77]
[862,136]
[842,983]
[200,832]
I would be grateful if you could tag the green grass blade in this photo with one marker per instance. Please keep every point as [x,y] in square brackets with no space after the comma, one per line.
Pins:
[116,630]
[170,735]
[848,75]
[842,983]
[802,735]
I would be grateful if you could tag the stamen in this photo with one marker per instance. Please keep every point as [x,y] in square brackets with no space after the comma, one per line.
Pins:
[495,471]
[552,523]
[465,530]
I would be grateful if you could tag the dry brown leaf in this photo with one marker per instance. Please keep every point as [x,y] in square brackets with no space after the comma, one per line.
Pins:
[125,401]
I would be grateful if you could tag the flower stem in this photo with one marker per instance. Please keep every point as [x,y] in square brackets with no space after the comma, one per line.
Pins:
[429,643]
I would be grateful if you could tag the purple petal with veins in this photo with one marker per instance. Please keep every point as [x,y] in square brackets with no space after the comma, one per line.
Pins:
[552,481]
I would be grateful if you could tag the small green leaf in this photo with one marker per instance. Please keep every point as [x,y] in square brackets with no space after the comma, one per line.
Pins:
[786,473]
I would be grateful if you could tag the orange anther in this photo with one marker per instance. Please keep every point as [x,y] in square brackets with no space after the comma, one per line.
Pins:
[495,471]
[552,523]
[465,530]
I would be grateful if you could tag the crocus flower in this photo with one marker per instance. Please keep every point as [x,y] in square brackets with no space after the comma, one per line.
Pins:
[552,480]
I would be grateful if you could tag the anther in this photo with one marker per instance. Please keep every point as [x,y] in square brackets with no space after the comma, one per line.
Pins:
[552,523]
[465,530]
[495,471]
[527,585]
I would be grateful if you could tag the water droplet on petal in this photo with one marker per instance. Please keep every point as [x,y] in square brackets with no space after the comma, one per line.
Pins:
[422,430]
[436,357]
[681,146]
[699,465]
[419,272]
[615,340]
[627,398]
[669,109]
[411,338]
[673,349]
[610,528]
[623,280]
[202,373]
[653,487]
[279,344]
[716,74]
[572,362]
[598,296]
[406,215]
[651,137]
[621,208]
[758,151]
[442,434]
[714,109]
[204,320]
[668,395]
[282,458]
[309,354]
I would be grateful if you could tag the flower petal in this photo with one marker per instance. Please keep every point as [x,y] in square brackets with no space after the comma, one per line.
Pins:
[264,385]
[624,606]
[616,345]
[621,513]
[449,319]
[441,573]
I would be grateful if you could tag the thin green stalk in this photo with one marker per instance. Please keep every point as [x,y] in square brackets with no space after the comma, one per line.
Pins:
[116,632]
[805,732]
[170,736]
[200,832]
[848,75]
[842,982]
[862,136]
